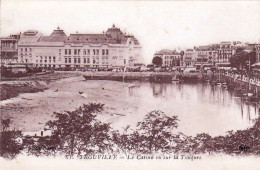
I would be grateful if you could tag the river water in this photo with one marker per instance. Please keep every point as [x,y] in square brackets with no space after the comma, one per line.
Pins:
[200,107]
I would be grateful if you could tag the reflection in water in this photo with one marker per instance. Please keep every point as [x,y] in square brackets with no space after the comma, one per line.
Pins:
[200,107]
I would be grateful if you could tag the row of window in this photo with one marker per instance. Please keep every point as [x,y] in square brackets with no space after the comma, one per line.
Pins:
[171,63]
[85,60]
[77,51]
[172,57]
[30,54]
[59,66]
[41,57]
[45,61]
[25,49]
[3,44]
[86,51]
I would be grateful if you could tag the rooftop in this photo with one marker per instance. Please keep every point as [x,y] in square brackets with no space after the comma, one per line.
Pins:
[30,33]
[112,36]
[90,38]
[167,52]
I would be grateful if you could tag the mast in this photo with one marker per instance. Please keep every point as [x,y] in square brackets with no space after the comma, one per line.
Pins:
[248,76]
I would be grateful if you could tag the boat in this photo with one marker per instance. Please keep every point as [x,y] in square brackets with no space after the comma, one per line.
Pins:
[219,83]
[224,86]
[207,81]
[132,85]
[238,92]
[176,77]
[254,99]
[176,80]
[213,82]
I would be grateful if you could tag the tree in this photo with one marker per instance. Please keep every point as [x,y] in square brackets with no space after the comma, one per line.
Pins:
[241,59]
[157,61]
[154,133]
[10,146]
[79,133]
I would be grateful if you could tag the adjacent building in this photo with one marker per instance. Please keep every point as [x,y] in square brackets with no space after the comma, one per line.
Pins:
[170,58]
[189,58]
[206,55]
[112,48]
[226,50]
[9,49]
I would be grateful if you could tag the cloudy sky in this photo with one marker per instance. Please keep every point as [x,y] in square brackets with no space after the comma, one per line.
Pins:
[157,25]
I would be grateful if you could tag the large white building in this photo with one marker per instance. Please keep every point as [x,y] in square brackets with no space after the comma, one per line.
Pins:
[110,49]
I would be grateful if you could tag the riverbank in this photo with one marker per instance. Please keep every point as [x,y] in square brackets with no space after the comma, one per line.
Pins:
[162,77]
[30,111]
[12,87]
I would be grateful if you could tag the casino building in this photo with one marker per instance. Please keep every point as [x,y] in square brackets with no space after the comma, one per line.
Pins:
[110,49]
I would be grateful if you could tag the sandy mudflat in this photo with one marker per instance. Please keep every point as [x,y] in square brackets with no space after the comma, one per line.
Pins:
[30,111]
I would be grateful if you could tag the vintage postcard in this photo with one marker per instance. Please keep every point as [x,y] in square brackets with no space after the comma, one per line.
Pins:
[130,84]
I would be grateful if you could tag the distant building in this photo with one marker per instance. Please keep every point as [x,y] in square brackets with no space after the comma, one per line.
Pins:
[9,49]
[189,58]
[226,50]
[112,48]
[217,54]
[206,55]
[257,47]
[169,57]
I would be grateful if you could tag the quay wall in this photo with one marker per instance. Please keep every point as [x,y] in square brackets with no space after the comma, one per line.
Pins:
[243,82]
[140,76]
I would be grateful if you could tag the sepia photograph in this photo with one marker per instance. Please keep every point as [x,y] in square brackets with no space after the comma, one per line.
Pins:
[129,84]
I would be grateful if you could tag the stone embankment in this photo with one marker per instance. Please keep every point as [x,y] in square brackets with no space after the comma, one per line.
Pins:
[141,76]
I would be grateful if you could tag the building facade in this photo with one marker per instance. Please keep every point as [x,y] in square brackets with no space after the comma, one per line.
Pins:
[189,57]
[107,50]
[9,49]
[206,55]
[170,58]
[226,50]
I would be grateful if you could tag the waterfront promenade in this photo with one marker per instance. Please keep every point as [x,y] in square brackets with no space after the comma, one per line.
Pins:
[243,78]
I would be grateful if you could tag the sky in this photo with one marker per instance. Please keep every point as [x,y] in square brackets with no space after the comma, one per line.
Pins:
[156,24]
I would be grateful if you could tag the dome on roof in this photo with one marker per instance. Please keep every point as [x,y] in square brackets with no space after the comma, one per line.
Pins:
[58,32]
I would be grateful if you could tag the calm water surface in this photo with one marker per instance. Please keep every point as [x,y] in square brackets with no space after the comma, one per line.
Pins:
[200,107]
